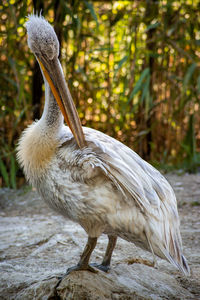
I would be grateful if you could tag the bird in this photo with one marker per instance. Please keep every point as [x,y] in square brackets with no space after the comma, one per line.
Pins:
[91,178]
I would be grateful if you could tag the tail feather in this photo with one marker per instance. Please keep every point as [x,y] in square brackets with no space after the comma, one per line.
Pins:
[177,259]
[185,265]
[169,246]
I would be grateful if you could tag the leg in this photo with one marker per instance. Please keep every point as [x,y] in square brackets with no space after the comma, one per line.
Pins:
[105,265]
[83,263]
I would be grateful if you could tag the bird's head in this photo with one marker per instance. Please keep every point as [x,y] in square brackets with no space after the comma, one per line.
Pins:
[43,42]
[42,39]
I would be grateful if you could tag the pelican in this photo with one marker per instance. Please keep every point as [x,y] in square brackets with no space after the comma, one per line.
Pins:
[91,178]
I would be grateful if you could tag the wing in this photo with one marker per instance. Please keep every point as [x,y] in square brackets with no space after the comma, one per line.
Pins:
[134,176]
[136,179]
[140,185]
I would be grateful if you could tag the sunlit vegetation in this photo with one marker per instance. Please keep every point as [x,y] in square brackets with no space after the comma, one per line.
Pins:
[133,68]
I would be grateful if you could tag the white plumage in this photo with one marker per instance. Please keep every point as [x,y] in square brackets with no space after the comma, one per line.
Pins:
[104,186]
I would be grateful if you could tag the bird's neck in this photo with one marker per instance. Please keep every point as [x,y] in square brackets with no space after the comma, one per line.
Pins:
[52,119]
[38,143]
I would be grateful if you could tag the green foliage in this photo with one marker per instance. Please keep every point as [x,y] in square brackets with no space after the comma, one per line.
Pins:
[192,158]
[4,172]
[132,67]
[13,172]
[92,11]
[139,85]
[188,76]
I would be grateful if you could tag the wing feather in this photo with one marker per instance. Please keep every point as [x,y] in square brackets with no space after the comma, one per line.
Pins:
[146,186]
[137,180]
[149,189]
[140,185]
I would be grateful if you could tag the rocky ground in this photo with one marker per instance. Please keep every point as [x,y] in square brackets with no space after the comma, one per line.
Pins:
[37,246]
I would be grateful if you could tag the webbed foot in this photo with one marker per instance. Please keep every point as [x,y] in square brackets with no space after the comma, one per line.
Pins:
[81,268]
[101,267]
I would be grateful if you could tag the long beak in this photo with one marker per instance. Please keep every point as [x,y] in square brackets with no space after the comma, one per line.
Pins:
[53,73]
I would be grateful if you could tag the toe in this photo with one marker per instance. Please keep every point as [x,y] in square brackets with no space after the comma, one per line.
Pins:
[101,267]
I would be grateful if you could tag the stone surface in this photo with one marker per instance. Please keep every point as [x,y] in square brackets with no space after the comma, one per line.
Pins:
[37,246]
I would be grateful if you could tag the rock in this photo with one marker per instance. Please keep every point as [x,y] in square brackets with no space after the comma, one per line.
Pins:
[86,285]
[45,289]
[37,246]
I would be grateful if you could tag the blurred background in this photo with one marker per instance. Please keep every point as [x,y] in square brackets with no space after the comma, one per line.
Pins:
[132,67]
